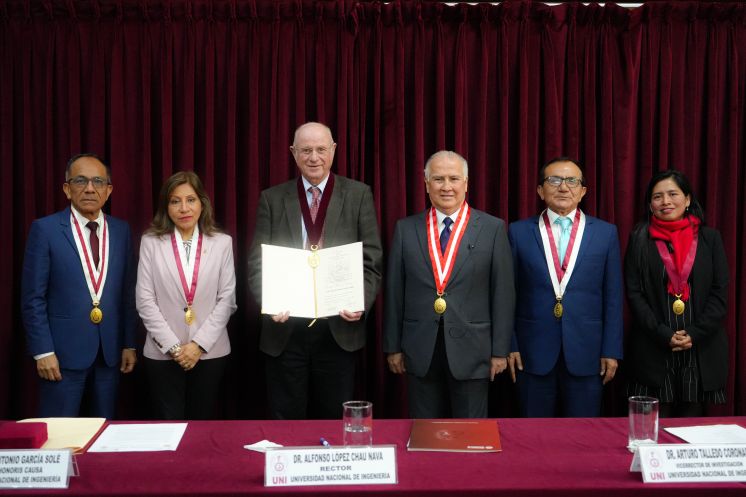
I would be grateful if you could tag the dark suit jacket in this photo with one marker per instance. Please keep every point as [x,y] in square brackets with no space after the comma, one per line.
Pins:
[55,302]
[350,218]
[650,334]
[591,327]
[478,321]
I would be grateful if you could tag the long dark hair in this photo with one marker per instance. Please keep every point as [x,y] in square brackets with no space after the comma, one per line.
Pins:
[640,233]
[162,224]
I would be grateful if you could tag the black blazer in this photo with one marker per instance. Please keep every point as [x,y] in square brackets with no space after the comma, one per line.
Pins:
[649,336]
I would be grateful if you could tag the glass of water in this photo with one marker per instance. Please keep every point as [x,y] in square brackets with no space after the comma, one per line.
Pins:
[357,418]
[643,421]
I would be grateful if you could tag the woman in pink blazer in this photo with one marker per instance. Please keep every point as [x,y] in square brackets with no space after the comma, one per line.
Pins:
[186,285]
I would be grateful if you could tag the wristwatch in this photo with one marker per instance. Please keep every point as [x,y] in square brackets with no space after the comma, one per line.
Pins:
[176,348]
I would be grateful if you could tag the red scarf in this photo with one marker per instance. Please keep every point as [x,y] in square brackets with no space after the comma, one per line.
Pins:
[679,235]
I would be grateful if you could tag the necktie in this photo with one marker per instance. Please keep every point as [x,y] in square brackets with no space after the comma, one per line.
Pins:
[565,223]
[445,234]
[315,197]
[93,226]
[187,248]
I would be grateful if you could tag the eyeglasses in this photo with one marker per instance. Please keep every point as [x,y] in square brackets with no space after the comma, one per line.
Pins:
[80,182]
[571,181]
[307,151]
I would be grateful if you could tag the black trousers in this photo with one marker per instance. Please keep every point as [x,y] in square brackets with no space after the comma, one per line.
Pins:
[439,395]
[312,377]
[179,394]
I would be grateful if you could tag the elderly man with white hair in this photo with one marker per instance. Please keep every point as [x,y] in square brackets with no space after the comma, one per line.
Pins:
[449,298]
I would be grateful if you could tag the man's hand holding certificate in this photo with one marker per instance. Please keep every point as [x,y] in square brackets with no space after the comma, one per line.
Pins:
[312,284]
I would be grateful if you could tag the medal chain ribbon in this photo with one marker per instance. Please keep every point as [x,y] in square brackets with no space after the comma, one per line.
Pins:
[188,292]
[442,264]
[678,280]
[94,284]
[561,269]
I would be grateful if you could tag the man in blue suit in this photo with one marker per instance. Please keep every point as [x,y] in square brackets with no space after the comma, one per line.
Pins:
[568,321]
[78,296]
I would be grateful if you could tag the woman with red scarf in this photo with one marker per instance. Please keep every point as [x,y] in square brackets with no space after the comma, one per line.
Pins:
[676,275]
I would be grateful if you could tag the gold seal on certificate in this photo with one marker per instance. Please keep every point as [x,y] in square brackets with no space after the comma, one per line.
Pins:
[558,308]
[678,305]
[96,314]
[189,315]
[313,259]
[440,305]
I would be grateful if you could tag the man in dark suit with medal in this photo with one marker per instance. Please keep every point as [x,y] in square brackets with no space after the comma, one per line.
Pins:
[311,369]
[568,323]
[449,298]
[78,297]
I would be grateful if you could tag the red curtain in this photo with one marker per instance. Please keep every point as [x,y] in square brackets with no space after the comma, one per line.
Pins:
[218,86]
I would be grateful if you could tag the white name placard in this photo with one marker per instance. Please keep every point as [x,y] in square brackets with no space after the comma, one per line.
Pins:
[673,463]
[35,468]
[304,466]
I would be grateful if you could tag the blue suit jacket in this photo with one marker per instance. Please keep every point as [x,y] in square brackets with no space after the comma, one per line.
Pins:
[55,301]
[591,327]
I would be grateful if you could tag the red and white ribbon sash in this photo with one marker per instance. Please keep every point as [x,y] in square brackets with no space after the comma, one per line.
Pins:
[94,277]
[560,269]
[442,263]
[560,274]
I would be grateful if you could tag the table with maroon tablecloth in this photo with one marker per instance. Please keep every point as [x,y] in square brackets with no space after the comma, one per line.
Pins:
[540,457]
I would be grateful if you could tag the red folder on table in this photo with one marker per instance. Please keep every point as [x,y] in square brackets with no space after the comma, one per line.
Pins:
[455,435]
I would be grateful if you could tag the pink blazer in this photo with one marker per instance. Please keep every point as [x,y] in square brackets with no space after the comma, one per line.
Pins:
[161,302]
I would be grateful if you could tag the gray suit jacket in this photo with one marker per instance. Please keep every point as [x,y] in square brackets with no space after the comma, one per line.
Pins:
[478,322]
[350,218]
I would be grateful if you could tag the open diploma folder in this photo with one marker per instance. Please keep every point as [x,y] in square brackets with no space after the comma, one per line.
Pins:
[312,284]
[455,435]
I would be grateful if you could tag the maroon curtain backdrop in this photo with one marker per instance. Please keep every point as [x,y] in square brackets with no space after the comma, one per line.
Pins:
[219,86]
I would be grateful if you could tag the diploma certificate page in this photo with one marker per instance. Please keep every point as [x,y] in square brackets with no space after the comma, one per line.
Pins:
[290,283]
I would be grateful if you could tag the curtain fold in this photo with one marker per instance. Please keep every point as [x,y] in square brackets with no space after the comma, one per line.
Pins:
[218,86]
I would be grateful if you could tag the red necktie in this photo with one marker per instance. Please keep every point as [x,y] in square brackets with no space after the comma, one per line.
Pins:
[315,197]
[93,226]
[314,208]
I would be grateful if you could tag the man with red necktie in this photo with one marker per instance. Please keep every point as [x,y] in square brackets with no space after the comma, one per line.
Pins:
[78,296]
[568,321]
[449,298]
[311,370]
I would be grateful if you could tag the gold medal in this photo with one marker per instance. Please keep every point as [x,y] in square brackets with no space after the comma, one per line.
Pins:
[678,305]
[189,315]
[440,305]
[96,315]
[558,309]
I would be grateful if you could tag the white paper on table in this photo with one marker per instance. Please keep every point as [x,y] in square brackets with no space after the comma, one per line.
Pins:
[288,281]
[262,446]
[150,437]
[712,434]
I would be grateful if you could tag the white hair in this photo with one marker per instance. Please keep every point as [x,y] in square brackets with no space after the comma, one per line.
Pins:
[446,154]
